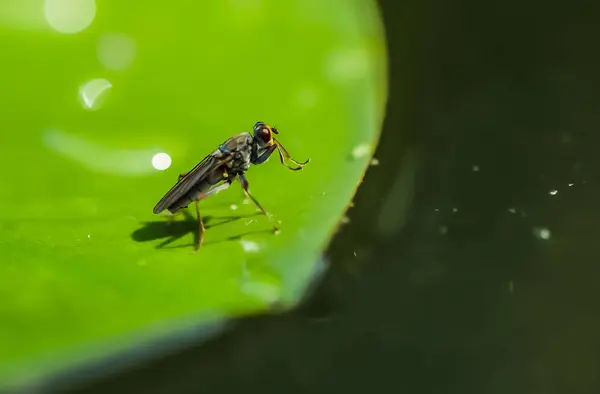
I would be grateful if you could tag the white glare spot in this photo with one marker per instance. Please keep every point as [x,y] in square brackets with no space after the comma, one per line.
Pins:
[161,161]
[354,254]
[249,246]
[116,51]
[512,210]
[475,168]
[553,192]
[374,162]
[89,235]
[360,151]
[454,210]
[91,91]
[234,207]
[571,184]
[69,16]
[541,233]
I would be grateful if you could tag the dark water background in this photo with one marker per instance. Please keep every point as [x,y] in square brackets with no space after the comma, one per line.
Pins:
[493,107]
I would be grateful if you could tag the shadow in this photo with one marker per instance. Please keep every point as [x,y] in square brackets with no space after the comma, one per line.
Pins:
[173,230]
[228,239]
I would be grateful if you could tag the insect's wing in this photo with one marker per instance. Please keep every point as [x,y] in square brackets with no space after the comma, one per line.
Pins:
[208,164]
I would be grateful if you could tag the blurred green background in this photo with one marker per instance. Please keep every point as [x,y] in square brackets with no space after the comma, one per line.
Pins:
[92,91]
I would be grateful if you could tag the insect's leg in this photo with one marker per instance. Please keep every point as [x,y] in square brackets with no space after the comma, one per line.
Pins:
[287,156]
[245,186]
[200,228]
[281,159]
[202,196]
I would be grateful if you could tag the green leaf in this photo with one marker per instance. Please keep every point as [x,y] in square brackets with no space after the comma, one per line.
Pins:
[83,273]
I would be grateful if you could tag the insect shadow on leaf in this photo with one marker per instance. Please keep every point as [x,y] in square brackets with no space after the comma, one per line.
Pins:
[173,230]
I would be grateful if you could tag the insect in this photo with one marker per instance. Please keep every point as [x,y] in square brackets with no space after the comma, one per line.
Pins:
[218,170]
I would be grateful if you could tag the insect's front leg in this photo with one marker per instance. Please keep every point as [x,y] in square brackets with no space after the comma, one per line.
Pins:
[245,186]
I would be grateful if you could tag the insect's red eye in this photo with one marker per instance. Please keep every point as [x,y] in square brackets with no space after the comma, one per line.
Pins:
[264,134]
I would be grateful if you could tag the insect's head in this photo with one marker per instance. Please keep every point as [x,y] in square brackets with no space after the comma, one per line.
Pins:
[263,133]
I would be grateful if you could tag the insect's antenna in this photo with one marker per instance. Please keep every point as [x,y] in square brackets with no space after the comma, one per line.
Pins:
[283,152]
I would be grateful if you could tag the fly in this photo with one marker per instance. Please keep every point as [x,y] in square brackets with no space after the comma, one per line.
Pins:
[218,170]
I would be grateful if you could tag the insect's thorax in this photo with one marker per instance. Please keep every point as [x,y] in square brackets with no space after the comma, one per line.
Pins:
[240,148]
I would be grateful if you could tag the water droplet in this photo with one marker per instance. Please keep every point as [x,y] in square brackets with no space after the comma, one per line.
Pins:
[91,92]
[69,16]
[249,246]
[553,192]
[161,161]
[89,235]
[542,233]
[360,151]
[233,207]
[246,201]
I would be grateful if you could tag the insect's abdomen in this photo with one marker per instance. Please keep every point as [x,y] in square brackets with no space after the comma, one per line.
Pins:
[197,191]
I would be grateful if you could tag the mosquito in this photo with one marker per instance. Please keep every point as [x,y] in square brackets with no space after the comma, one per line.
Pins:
[217,171]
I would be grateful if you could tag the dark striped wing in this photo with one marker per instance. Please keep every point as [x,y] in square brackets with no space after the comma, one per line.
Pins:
[201,170]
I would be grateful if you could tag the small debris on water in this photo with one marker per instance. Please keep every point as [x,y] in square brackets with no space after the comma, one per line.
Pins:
[475,168]
[542,233]
[512,210]
[234,207]
[249,246]
[454,210]
[360,151]
[571,184]
[354,254]
[553,192]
